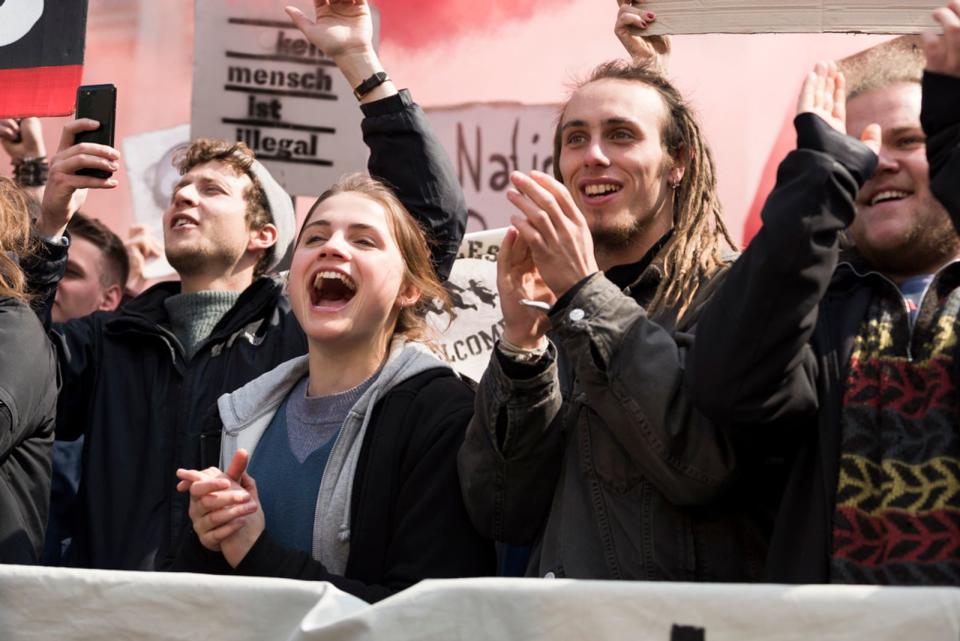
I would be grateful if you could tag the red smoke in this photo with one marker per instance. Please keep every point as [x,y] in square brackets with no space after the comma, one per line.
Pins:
[415,23]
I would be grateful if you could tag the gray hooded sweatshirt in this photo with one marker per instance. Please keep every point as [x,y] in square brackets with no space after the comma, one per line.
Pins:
[247,412]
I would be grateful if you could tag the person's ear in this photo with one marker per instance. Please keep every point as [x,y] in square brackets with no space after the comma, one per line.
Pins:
[675,176]
[112,297]
[409,295]
[263,238]
[677,170]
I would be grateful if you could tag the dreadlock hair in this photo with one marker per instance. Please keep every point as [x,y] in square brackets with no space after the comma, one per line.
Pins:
[14,239]
[693,252]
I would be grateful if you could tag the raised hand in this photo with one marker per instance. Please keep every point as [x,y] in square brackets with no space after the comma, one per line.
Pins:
[519,279]
[66,192]
[632,20]
[824,94]
[344,32]
[342,27]
[943,52]
[553,228]
[22,139]
[141,246]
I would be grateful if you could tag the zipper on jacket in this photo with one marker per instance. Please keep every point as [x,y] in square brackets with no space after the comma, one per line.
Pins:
[903,301]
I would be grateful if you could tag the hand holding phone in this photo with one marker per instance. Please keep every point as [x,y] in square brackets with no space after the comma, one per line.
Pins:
[97,102]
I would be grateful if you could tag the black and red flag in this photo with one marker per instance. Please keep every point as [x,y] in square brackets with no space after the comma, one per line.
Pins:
[41,56]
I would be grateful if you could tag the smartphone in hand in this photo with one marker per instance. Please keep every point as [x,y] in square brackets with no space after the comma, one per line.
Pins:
[98,102]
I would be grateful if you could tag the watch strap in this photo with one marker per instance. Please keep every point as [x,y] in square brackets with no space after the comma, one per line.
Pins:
[370,84]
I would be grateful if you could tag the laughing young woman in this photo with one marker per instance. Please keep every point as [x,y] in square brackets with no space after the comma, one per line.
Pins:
[353,445]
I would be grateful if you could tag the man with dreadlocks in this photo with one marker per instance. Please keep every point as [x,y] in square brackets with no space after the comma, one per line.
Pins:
[588,444]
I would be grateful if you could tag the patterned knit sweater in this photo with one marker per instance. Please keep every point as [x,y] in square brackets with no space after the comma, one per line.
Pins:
[897,519]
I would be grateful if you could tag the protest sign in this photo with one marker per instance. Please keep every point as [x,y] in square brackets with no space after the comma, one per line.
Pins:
[258,80]
[798,16]
[41,56]
[488,141]
[149,162]
[467,341]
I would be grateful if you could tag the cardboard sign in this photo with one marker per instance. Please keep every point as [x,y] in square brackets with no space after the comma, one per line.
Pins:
[486,142]
[258,80]
[41,56]
[467,341]
[799,16]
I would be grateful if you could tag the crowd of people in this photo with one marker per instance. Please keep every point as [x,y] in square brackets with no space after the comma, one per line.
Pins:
[659,407]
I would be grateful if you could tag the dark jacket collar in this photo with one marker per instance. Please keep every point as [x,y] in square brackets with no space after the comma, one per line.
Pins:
[148,310]
[853,268]
[642,277]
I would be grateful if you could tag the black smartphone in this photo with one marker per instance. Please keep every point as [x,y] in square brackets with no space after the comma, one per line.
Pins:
[98,102]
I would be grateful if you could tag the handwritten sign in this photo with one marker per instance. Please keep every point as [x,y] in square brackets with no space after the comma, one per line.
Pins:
[258,80]
[488,141]
[803,16]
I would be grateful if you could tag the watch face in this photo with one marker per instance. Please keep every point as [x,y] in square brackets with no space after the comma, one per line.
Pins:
[17,18]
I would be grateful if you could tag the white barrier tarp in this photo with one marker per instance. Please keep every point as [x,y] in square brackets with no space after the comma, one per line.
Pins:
[55,603]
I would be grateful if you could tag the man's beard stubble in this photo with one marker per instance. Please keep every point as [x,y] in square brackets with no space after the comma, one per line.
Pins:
[193,261]
[927,249]
[620,237]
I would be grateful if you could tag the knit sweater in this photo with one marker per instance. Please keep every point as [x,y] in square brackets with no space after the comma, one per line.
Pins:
[897,517]
[193,316]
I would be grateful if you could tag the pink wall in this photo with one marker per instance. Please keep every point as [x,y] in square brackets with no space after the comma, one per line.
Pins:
[454,51]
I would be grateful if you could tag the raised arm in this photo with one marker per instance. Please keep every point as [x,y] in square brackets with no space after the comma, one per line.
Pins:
[751,362]
[941,106]
[77,342]
[511,457]
[64,195]
[632,19]
[23,142]
[404,153]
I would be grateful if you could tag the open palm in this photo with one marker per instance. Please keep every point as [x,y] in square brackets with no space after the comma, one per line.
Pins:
[341,26]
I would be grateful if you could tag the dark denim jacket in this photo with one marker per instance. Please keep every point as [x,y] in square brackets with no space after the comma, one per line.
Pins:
[600,457]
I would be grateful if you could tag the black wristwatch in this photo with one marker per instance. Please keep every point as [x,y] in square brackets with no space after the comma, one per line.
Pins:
[370,84]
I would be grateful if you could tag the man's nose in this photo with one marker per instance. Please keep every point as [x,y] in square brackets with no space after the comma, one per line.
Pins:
[186,195]
[594,154]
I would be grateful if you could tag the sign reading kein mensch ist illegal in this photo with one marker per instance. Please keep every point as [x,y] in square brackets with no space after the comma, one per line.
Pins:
[258,80]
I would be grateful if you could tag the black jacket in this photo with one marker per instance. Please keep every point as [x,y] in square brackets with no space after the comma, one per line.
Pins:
[129,388]
[599,457]
[775,342]
[28,395]
[408,521]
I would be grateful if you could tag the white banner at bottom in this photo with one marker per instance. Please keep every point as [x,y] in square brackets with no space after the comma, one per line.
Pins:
[56,603]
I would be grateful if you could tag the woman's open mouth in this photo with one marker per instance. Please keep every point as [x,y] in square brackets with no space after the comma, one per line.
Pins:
[332,290]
